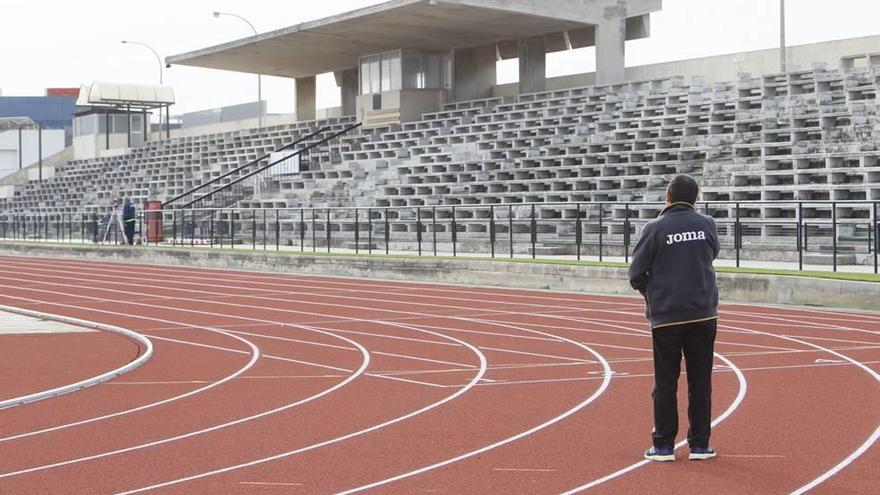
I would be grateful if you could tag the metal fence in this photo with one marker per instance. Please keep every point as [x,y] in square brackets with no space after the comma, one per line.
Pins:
[823,234]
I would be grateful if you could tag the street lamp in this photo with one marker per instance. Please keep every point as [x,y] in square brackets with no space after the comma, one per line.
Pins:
[259,76]
[148,47]
[167,110]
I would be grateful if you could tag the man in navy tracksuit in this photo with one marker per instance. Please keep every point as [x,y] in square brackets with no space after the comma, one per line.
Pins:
[672,268]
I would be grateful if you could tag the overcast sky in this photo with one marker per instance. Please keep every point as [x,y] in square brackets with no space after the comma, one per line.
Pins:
[68,43]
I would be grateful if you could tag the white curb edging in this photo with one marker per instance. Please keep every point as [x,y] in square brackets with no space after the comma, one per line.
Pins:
[88,382]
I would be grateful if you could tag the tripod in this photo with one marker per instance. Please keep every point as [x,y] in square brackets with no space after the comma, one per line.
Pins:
[115,213]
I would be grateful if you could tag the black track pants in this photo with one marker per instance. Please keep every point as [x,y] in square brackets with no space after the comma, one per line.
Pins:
[697,342]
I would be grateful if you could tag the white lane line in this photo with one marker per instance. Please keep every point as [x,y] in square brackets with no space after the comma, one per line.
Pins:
[596,394]
[477,377]
[872,438]
[365,361]
[261,278]
[267,483]
[526,470]
[754,456]
[254,353]
[279,310]
[288,292]
[730,409]
[105,377]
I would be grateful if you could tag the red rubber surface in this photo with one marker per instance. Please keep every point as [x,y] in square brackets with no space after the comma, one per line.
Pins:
[330,424]
[40,361]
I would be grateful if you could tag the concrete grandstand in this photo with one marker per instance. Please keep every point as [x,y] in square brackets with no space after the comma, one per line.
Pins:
[455,138]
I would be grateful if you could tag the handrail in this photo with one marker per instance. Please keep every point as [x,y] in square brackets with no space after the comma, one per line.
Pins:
[248,164]
[272,164]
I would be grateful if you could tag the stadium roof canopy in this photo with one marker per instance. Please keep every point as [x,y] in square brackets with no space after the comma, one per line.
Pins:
[336,43]
[120,95]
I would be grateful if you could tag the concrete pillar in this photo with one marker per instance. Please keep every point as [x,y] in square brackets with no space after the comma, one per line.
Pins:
[610,51]
[532,64]
[305,98]
[475,73]
[347,80]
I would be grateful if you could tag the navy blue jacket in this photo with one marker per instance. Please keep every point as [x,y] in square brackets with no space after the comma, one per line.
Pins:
[672,267]
[128,212]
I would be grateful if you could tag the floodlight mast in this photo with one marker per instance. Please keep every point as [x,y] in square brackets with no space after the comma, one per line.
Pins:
[148,47]
[161,82]
[782,63]
[259,76]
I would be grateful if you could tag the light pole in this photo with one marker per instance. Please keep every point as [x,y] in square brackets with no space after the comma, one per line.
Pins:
[148,47]
[158,59]
[782,35]
[259,76]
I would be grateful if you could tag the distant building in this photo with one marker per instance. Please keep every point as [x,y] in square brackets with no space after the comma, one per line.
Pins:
[53,111]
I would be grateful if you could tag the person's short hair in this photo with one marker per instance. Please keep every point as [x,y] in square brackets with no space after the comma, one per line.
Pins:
[683,188]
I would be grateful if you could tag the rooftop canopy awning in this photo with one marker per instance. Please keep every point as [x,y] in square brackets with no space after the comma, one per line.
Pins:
[336,43]
[120,95]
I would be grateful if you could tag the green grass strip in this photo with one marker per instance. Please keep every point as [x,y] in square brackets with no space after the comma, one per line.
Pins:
[849,276]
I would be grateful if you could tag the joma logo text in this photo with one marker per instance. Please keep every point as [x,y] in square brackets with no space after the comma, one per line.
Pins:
[685,237]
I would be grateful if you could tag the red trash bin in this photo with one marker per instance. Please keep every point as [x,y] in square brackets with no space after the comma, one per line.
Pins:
[153,218]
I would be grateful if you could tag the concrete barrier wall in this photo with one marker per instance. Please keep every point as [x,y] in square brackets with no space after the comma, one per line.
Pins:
[750,288]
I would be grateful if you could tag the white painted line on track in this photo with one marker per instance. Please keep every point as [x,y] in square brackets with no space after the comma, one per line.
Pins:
[365,361]
[477,377]
[599,391]
[872,438]
[255,355]
[730,409]
[267,483]
[526,470]
[105,377]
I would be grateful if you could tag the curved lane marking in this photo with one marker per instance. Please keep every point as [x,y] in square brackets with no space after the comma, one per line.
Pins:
[88,382]
[607,373]
[476,378]
[254,352]
[730,409]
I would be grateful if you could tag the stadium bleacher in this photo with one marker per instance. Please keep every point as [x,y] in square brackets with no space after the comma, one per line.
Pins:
[774,137]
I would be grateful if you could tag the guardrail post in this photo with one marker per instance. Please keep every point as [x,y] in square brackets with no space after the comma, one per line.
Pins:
[302,229]
[454,234]
[211,230]
[578,234]
[277,230]
[329,230]
[510,228]
[369,231]
[533,231]
[265,228]
[737,234]
[434,228]
[626,234]
[492,229]
[387,231]
[834,235]
[876,229]
[601,229]
[800,216]
[314,232]
[357,232]
[192,227]
[231,229]
[419,229]
[174,228]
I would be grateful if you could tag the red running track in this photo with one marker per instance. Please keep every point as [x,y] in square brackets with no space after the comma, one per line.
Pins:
[264,383]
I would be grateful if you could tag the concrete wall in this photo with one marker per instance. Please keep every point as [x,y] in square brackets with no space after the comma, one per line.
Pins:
[744,288]
[725,67]
[53,142]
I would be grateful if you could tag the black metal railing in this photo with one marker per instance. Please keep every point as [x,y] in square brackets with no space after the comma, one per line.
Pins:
[807,235]
[187,197]
[263,179]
